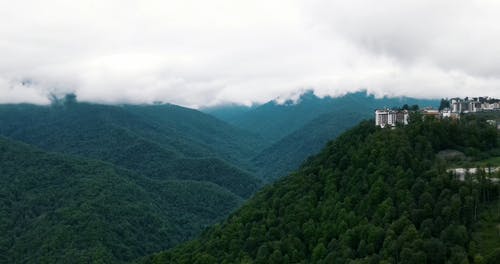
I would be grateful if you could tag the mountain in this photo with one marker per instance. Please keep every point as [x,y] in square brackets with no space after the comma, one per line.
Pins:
[274,120]
[55,208]
[342,113]
[122,182]
[371,196]
[228,111]
[287,154]
[159,141]
[228,142]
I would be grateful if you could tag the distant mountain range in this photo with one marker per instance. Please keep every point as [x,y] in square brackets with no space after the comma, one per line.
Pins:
[126,180]
[87,182]
[275,120]
[151,140]
[372,195]
[300,129]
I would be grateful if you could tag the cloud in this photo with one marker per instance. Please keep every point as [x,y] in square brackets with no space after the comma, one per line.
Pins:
[199,53]
[456,35]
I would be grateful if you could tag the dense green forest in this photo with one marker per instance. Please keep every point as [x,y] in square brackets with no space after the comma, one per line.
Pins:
[300,129]
[126,180]
[228,142]
[287,154]
[154,140]
[274,120]
[115,183]
[371,196]
[59,209]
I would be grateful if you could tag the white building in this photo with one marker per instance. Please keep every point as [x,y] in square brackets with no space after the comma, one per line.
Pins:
[446,113]
[458,105]
[431,112]
[386,117]
[476,104]
[461,173]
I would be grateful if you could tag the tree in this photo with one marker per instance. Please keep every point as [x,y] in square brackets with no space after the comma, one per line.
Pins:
[276,257]
[319,252]
[445,103]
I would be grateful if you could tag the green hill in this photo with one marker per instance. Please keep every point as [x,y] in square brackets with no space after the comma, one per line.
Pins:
[371,196]
[274,120]
[228,142]
[151,140]
[60,209]
[287,154]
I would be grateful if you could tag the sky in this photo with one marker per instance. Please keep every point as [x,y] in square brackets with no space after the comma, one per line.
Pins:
[205,53]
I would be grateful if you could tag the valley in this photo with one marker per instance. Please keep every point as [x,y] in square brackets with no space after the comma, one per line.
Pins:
[250,132]
[120,183]
[371,196]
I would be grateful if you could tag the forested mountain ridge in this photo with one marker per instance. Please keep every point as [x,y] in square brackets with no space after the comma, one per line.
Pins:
[60,209]
[287,154]
[155,175]
[274,120]
[151,140]
[371,196]
[230,143]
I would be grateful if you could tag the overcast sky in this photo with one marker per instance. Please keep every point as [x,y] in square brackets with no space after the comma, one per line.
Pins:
[200,53]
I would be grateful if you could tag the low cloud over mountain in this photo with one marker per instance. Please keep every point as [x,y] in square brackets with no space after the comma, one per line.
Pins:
[199,53]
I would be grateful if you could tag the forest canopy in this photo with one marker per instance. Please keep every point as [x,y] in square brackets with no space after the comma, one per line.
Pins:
[371,196]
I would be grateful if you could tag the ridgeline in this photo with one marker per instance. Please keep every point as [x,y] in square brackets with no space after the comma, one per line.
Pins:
[371,196]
